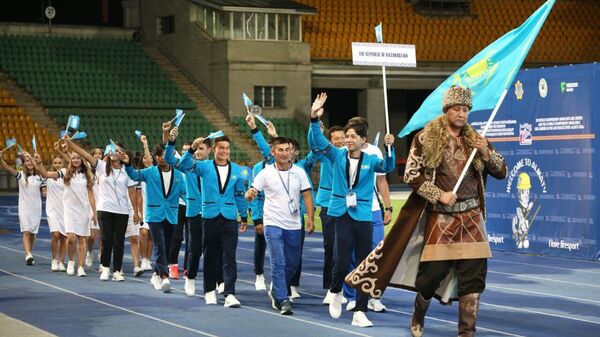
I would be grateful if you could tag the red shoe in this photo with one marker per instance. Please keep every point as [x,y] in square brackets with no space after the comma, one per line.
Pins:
[174,271]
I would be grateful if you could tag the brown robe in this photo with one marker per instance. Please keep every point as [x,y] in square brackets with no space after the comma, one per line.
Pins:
[395,260]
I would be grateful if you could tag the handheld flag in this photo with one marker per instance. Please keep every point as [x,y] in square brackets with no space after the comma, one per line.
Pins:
[138,133]
[73,122]
[488,74]
[11,142]
[376,141]
[379,33]
[179,114]
[79,135]
[247,100]
[262,119]
[34,144]
[216,134]
[110,148]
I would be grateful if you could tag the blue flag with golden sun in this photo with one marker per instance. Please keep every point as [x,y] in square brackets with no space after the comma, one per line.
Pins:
[488,73]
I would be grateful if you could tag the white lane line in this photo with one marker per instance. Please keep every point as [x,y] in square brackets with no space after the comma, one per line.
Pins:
[542,293]
[546,266]
[182,291]
[540,313]
[198,332]
[545,279]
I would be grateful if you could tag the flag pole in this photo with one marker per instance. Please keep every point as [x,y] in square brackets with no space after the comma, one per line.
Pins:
[385,99]
[485,129]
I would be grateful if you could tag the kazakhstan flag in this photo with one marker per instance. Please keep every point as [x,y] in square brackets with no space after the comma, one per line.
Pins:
[488,74]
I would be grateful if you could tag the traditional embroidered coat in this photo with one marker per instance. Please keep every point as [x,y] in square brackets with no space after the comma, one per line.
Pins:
[395,261]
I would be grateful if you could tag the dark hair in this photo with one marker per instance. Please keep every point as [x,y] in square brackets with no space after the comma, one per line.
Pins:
[187,143]
[137,160]
[158,149]
[294,144]
[359,128]
[335,128]
[222,139]
[360,120]
[279,140]
[207,142]
[108,160]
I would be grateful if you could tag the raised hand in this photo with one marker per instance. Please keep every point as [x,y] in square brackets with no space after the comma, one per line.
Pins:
[166,126]
[317,107]
[196,144]
[389,139]
[123,156]
[173,134]
[38,159]
[144,140]
[250,121]
[271,129]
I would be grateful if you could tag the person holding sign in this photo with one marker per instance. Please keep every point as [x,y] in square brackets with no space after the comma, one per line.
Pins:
[351,201]
[452,247]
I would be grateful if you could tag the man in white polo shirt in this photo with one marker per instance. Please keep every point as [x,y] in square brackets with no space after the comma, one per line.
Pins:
[283,184]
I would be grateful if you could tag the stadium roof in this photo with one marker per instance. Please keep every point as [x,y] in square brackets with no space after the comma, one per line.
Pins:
[280,6]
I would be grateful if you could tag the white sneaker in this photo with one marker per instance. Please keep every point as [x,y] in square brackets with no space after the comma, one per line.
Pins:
[89,260]
[166,285]
[259,284]
[190,287]
[359,319]
[61,266]
[328,297]
[210,297]
[146,264]
[156,281]
[344,300]
[118,276]
[231,302]
[376,305]
[29,260]
[104,273]
[81,272]
[294,292]
[71,268]
[138,271]
[335,307]
[351,305]
[54,265]
[221,288]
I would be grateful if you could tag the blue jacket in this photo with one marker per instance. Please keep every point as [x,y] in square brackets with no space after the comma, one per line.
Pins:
[193,186]
[325,174]
[257,204]
[363,184]
[217,201]
[159,207]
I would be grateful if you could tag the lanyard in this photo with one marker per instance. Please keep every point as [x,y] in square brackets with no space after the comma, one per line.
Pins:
[353,177]
[288,180]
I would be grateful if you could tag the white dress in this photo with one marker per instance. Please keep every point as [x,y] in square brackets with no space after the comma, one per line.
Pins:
[30,202]
[54,205]
[77,207]
[94,225]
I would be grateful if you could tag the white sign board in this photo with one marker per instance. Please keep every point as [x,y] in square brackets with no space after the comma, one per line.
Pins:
[384,54]
[50,12]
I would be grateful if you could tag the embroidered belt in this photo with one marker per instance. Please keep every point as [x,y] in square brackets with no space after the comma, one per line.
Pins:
[458,207]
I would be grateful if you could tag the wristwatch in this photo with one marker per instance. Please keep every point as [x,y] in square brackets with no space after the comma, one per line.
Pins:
[391,209]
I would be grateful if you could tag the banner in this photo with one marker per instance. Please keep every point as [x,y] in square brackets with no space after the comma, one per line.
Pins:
[384,54]
[546,131]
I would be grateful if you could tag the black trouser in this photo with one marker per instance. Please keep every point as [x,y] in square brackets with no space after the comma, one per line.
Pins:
[470,273]
[295,281]
[220,237]
[260,246]
[162,233]
[350,236]
[112,230]
[195,243]
[181,228]
[327,223]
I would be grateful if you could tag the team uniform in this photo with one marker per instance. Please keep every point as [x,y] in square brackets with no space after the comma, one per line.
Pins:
[30,202]
[77,208]
[54,205]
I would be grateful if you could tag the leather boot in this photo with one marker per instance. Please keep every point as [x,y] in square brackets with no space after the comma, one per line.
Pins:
[467,314]
[417,323]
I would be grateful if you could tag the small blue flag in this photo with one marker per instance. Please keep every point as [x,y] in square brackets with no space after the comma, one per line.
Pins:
[110,148]
[34,144]
[179,114]
[247,100]
[376,141]
[216,134]
[73,122]
[138,133]
[11,142]
[79,135]
[379,33]
[262,119]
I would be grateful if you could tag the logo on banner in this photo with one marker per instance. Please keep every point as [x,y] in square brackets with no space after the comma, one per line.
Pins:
[519,90]
[568,86]
[543,88]
[525,137]
[527,209]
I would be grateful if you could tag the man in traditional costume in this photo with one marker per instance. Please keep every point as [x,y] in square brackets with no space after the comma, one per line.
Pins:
[438,245]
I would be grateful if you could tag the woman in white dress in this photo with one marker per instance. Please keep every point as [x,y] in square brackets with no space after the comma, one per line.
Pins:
[79,206]
[54,213]
[30,203]
[94,227]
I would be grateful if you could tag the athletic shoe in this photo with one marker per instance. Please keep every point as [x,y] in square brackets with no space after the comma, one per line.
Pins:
[376,305]
[221,287]
[137,271]
[71,268]
[274,302]
[210,297]
[89,260]
[156,281]
[104,273]
[231,302]
[61,266]
[351,305]
[54,265]
[328,297]
[118,276]
[294,292]
[29,260]
[335,307]
[81,272]
[359,319]
[286,308]
[174,271]
[259,284]
[165,285]
[190,287]
[146,265]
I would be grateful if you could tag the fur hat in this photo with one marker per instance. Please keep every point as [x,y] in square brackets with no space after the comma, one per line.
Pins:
[457,96]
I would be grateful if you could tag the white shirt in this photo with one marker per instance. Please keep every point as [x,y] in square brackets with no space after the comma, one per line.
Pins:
[372,149]
[223,172]
[352,171]
[113,195]
[167,180]
[276,211]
